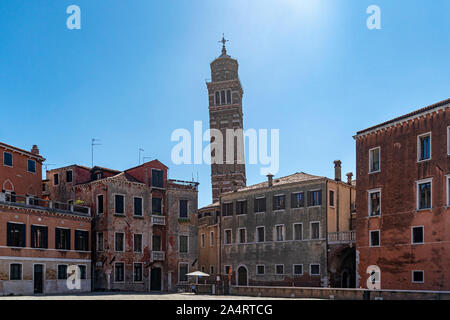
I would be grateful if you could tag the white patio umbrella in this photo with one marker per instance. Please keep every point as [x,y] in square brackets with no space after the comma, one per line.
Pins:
[198,274]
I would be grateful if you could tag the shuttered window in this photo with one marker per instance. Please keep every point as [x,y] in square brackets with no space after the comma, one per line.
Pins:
[62,239]
[15,234]
[39,237]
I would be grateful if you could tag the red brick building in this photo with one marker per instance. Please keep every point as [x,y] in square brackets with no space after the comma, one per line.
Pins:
[403,198]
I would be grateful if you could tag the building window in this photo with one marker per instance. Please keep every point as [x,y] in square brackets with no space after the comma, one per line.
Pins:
[203,240]
[100,204]
[260,269]
[448,190]
[137,243]
[82,268]
[156,243]
[203,269]
[156,206]
[227,209]
[279,269]
[448,140]
[424,194]
[242,235]
[7,159]
[279,202]
[417,235]
[374,160]
[81,240]
[15,234]
[228,239]
[331,198]
[211,270]
[315,230]
[55,179]
[298,231]
[260,205]
[374,203]
[375,238]
[39,237]
[418,276]
[279,232]
[298,269]
[227,270]
[424,147]
[137,272]
[15,271]
[62,271]
[222,97]
[137,206]
[228,96]
[119,272]
[69,176]
[157,178]
[260,234]
[211,238]
[119,201]
[184,244]
[184,209]
[298,200]
[31,166]
[241,207]
[119,242]
[183,269]
[100,241]
[314,269]
[217,96]
[62,239]
[314,198]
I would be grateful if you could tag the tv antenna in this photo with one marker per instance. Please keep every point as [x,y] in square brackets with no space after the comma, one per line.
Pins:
[93,143]
[140,150]
[48,164]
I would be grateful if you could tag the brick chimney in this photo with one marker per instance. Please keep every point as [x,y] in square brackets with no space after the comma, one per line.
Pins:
[35,150]
[269,179]
[337,170]
[349,178]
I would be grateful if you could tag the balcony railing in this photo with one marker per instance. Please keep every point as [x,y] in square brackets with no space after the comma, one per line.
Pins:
[158,255]
[158,220]
[34,202]
[342,237]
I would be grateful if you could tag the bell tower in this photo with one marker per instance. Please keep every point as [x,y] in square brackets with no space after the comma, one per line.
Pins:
[225,112]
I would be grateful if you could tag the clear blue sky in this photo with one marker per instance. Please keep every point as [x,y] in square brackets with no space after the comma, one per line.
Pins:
[136,71]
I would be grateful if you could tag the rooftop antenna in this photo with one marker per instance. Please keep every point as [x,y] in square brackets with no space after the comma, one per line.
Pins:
[93,143]
[48,164]
[140,150]
[144,158]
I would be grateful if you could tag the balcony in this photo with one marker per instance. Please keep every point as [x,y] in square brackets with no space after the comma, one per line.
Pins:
[158,255]
[158,220]
[345,237]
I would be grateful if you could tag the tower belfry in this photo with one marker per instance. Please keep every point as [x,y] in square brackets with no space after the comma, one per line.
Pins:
[225,112]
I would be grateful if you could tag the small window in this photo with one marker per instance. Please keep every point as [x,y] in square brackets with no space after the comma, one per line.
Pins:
[375,238]
[183,244]
[279,202]
[39,237]
[417,235]
[260,205]
[183,269]
[260,269]
[315,230]
[279,269]
[203,240]
[374,203]
[241,207]
[227,269]
[424,195]
[228,236]
[222,97]
[100,204]
[138,206]
[374,160]
[448,190]
[279,232]
[203,268]
[7,159]
[217,96]
[100,241]
[119,242]
[242,235]
[424,147]
[298,231]
[55,179]
[31,166]
[448,140]
[211,270]
[298,269]
[211,238]
[297,200]
[157,178]
[62,272]
[69,176]
[418,276]
[15,234]
[260,234]
[62,239]
[81,240]
[137,272]
[15,271]
[82,268]
[314,198]
[119,201]
[184,209]
[331,198]
[156,206]
[227,209]
[138,243]
[156,243]
[119,272]
[228,96]
[315,269]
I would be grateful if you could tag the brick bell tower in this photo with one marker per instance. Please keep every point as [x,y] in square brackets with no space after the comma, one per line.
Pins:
[225,112]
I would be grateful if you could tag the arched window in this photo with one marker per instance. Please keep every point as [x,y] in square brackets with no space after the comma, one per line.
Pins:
[228,96]
[217,102]
[222,97]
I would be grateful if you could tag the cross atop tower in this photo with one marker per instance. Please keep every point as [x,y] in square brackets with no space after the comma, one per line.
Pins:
[224,41]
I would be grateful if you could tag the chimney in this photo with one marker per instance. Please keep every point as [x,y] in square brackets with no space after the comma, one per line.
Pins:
[35,149]
[349,178]
[269,179]
[337,170]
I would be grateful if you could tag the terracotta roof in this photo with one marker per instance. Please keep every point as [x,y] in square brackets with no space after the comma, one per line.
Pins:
[408,115]
[210,206]
[105,169]
[37,156]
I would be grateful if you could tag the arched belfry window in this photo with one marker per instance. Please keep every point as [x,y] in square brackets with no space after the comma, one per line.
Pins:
[217,98]
[222,97]
[228,96]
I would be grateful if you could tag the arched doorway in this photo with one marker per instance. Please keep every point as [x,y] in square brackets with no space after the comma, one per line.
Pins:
[242,276]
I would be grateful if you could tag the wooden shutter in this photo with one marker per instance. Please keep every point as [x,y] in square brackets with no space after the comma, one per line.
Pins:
[33,236]
[8,234]
[320,196]
[23,233]
[45,244]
